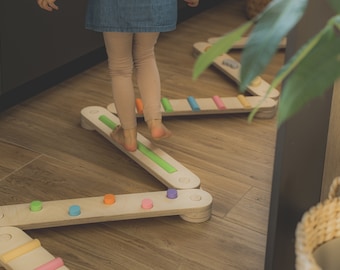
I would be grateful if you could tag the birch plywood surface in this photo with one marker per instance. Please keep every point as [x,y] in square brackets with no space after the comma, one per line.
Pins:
[45,154]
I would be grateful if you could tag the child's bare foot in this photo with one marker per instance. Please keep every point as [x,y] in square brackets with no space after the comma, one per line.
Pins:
[125,137]
[158,130]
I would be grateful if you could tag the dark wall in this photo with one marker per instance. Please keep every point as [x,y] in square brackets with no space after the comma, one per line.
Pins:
[300,155]
[34,41]
[39,49]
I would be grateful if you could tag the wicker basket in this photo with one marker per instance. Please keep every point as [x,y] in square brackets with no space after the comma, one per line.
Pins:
[317,226]
[254,7]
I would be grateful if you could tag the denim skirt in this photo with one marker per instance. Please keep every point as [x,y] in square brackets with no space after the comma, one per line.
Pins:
[131,15]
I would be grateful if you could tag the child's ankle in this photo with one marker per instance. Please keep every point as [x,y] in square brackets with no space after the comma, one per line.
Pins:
[130,139]
[157,129]
[126,138]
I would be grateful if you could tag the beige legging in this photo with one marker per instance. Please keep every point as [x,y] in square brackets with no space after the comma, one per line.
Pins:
[127,51]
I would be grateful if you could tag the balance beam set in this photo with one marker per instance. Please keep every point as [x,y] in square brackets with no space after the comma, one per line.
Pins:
[183,196]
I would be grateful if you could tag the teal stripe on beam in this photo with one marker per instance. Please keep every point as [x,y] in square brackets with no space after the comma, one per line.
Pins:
[193,104]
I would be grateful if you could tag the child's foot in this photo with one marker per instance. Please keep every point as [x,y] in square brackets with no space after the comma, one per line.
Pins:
[125,137]
[158,130]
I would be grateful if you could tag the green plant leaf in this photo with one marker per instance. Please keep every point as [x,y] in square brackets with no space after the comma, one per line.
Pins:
[335,4]
[223,45]
[296,59]
[272,26]
[316,72]
[288,68]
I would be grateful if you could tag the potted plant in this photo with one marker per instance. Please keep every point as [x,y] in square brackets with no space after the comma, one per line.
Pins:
[320,55]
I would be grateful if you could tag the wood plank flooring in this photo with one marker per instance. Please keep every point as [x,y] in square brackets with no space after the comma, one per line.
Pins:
[46,155]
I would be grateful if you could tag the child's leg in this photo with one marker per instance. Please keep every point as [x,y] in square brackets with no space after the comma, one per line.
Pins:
[119,51]
[149,82]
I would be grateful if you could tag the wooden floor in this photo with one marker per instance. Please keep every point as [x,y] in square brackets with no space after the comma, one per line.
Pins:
[46,155]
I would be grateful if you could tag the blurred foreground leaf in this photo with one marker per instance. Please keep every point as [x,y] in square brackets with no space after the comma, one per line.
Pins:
[316,72]
[272,26]
[288,68]
[221,46]
[335,4]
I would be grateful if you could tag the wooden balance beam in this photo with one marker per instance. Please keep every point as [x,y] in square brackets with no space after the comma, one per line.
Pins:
[192,205]
[230,67]
[210,106]
[165,168]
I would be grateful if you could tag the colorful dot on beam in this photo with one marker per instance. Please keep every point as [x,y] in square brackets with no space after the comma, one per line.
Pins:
[171,193]
[36,206]
[109,199]
[74,210]
[147,203]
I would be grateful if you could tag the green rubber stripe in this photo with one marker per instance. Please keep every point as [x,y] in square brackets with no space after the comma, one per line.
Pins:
[166,105]
[108,122]
[155,158]
[142,148]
